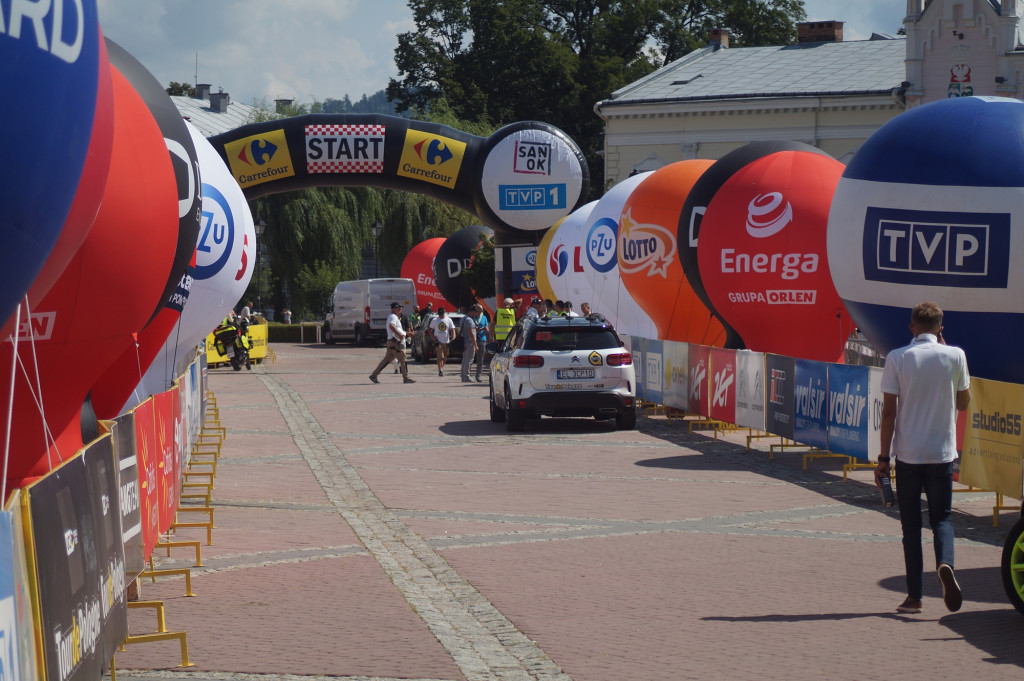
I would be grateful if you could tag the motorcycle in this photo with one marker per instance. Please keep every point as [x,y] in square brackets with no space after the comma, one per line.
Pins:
[233,342]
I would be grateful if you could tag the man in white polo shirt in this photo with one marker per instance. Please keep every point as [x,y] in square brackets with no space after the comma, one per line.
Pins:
[924,384]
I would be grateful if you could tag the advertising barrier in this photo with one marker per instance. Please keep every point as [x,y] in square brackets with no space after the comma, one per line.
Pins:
[76,532]
[993,442]
[123,434]
[676,391]
[848,409]
[779,413]
[750,389]
[723,385]
[653,371]
[810,392]
[17,634]
[148,455]
[700,366]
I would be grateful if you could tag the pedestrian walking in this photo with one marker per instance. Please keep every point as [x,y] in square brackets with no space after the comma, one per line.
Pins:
[467,330]
[441,331]
[924,384]
[396,350]
[482,330]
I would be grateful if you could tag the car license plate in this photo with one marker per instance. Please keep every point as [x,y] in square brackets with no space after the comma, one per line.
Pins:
[573,374]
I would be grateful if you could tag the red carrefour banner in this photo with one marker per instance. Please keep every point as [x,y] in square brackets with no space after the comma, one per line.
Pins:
[149,457]
[723,385]
[165,406]
[700,361]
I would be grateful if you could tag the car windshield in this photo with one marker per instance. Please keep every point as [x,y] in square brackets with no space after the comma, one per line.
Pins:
[578,338]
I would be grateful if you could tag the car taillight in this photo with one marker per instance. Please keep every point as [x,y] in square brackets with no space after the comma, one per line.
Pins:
[619,359]
[366,314]
[528,361]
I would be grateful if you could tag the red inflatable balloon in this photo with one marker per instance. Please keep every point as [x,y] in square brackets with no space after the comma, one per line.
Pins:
[649,257]
[419,266]
[105,295]
[762,256]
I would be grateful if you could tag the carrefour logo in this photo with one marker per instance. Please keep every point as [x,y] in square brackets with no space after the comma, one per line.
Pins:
[937,248]
[601,245]
[259,158]
[431,158]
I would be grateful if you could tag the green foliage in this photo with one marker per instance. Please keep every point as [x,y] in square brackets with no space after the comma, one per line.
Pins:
[314,285]
[552,60]
[176,89]
[479,276]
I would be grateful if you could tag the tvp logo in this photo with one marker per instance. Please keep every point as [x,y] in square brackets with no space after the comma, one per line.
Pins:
[963,250]
[260,158]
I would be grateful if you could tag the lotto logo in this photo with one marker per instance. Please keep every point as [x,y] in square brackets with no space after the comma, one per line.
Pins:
[935,248]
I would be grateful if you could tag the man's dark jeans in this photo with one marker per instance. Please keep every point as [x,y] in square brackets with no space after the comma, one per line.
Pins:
[936,481]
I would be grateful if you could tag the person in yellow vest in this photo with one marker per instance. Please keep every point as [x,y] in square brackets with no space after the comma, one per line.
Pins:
[504,320]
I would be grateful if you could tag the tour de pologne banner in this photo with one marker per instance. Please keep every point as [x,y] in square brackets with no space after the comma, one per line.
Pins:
[810,393]
[750,389]
[653,371]
[17,632]
[993,446]
[700,365]
[148,454]
[722,393]
[76,528]
[131,509]
[848,410]
[779,412]
[676,388]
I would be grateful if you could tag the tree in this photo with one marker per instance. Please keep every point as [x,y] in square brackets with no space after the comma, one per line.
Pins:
[552,60]
[479,275]
[176,89]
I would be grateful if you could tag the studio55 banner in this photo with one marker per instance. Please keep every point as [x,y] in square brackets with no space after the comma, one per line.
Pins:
[993,442]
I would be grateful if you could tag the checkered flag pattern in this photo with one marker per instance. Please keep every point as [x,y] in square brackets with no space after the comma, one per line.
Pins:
[348,133]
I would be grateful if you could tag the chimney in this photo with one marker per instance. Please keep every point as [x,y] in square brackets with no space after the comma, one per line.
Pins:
[719,37]
[219,101]
[820,32]
[280,104]
[202,90]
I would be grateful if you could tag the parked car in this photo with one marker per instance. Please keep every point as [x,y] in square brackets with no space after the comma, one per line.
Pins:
[423,345]
[562,366]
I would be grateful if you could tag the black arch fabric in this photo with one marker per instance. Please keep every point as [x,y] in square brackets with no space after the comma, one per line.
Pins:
[519,181]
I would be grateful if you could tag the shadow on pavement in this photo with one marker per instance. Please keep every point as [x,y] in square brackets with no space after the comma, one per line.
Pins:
[980,585]
[998,632]
[547,426]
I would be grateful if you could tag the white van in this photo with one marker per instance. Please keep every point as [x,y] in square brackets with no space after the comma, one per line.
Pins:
[360,309]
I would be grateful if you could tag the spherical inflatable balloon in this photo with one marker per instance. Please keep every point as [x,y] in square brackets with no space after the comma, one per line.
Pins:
[46,143]
[565,266]
[104,296]
[649,258]
[452,257]
[182,153]
[762,255]
[225,257]
[696,205]
[418,265]
[609,295]
[931,208]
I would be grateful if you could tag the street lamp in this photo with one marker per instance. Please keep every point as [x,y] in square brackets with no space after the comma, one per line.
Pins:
[261,226]
[376,228]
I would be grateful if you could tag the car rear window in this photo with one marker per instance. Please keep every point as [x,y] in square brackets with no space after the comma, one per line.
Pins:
[580,338]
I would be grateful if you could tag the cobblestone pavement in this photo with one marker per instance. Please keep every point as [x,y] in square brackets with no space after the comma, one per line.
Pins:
[377,532]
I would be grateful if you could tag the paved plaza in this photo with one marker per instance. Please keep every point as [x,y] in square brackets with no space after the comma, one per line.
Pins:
[383,532]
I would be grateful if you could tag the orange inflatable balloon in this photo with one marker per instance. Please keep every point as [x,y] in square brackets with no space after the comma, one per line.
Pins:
[649,257]
[104,296]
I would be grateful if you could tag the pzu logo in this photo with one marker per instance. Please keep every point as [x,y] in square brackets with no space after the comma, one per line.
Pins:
[601,245]
[937,248]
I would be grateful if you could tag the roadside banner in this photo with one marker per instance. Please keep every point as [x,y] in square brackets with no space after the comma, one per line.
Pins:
[635,346]
[677,374]
[750,389]
[654,371]
[779,413]
[17,630]
[993,442]
[148,462]
[810,418]
[131,510]
[700,361]
[169,456]
[848,402]
[875,402]
[76,533]
[722,397]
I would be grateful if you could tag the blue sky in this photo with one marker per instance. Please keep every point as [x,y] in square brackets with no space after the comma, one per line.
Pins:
[316,49]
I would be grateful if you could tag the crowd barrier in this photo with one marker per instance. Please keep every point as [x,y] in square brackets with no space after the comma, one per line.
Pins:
[72,541]
[829,409]
[257,340]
